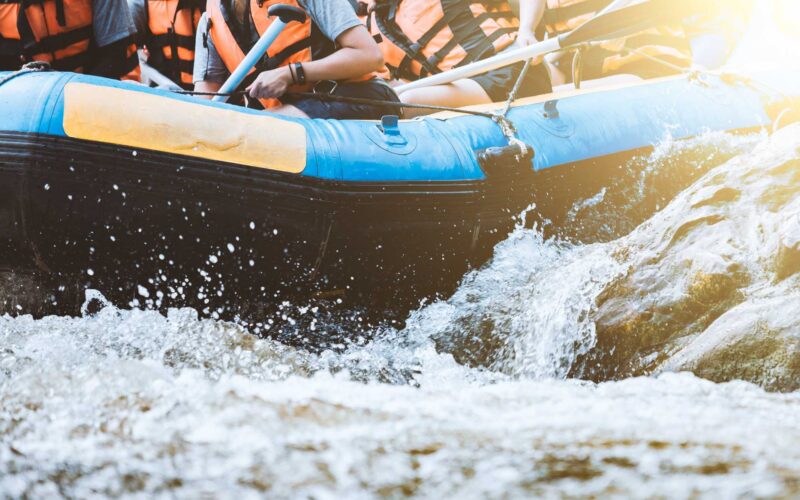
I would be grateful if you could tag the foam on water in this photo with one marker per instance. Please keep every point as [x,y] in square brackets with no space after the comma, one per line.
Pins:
[471,399]
[130,402]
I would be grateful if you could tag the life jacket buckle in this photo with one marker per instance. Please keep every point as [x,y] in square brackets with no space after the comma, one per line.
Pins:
[325,87]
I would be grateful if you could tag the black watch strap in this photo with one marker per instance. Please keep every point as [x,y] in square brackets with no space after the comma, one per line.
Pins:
[299,73]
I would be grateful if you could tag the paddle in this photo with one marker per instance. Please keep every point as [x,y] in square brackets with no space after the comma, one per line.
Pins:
[285,14]
[605,26]
[152,75]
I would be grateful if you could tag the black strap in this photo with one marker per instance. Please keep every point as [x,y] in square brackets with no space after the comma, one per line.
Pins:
[171,38]
[385,14]
[563,14]
[61,41]
[385,19]
[61,17]
[278,59]
[431,65]
[480,47]
[72,63]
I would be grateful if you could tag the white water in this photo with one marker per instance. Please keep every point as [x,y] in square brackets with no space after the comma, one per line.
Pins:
[132,403]
[469,401]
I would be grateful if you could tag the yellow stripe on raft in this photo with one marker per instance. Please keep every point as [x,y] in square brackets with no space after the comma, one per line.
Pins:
[147,121]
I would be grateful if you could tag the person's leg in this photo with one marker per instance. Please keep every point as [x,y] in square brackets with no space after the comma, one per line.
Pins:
[455,95]
[375,90]
[486,88]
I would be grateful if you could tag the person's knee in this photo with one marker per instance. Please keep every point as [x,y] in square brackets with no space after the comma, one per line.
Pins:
[416,96]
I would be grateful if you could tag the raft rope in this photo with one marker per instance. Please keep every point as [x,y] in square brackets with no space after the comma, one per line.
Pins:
[350,100]
[31,67]
[500,118]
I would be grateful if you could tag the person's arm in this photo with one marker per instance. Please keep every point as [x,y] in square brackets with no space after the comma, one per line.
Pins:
[209,71]
[530,15]
[114,36]
[138,12]
[358,55]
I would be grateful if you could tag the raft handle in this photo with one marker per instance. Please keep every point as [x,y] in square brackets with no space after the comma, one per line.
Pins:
[505,159]
[551,110]
[390,126]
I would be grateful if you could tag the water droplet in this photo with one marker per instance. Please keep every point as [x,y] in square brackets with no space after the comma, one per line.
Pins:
[47,187]
[90,272]
[213,259]
[231,248]
[252,225]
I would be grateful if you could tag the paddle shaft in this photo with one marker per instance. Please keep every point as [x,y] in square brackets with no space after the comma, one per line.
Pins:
[155,76]
[503,59]
[250,60]
[610,24]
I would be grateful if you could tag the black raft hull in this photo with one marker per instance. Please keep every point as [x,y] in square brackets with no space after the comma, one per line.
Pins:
[233,242]
[170,201]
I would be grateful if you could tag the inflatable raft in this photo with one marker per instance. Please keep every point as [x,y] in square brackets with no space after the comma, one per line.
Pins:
[166,200]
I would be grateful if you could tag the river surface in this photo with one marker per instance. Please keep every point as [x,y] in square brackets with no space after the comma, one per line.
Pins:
[561,368]
[643,349]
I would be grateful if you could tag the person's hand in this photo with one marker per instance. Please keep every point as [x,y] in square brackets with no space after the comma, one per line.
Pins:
[270,84]
[526,37]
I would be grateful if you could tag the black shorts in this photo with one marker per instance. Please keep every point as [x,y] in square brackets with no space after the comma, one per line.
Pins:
[372,89]
[498,83]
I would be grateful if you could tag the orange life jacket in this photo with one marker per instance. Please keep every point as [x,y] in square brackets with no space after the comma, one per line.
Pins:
[624,55]
[424,37]
[55,31]
[172,28]
[298,42]
[58,32]
[562,16]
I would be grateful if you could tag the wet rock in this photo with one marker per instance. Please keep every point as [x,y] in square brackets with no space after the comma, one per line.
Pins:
[758,340]
[700,289]
[546,307]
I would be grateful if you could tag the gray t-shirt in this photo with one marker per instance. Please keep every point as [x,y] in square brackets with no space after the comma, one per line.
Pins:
[112,21]
[332,17]
[138,10]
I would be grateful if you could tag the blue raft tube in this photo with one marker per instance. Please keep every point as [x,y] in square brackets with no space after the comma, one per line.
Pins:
[118,187]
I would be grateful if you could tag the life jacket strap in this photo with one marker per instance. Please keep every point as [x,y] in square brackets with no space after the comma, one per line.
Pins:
[72,63]
[385,18]
[562,15]
[61,41]
[278,59]
[169,39]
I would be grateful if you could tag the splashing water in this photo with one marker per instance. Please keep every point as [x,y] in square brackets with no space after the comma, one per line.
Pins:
[474,397]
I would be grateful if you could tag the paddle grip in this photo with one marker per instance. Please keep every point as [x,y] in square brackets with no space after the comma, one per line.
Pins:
[285,14]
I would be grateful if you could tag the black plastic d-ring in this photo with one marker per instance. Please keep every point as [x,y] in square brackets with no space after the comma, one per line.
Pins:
[287,13]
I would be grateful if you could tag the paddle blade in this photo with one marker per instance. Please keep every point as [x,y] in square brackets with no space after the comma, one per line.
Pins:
[630,20]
